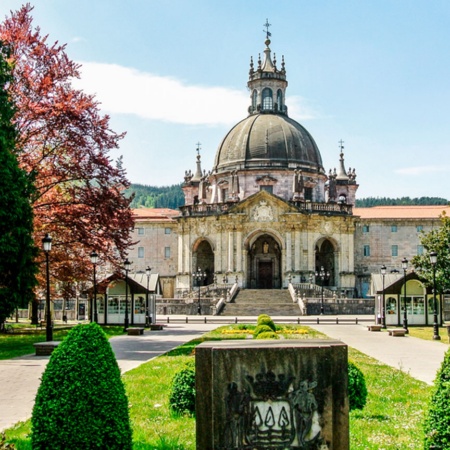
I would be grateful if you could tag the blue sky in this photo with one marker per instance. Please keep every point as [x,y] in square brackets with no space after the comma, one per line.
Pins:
[375,74]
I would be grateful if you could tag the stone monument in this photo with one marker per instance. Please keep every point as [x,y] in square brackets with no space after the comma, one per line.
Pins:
[255,395]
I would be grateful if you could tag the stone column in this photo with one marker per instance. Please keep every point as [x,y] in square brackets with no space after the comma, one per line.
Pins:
[297,250]
[288,251]
[239,249]
[230,251]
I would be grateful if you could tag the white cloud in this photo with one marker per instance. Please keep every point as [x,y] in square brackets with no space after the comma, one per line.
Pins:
[421,170]
[122,90]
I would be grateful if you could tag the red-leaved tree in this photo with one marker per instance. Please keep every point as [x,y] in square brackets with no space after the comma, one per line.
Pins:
[64,144]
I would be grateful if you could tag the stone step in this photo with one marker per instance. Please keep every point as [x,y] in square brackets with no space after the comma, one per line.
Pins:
[262,301]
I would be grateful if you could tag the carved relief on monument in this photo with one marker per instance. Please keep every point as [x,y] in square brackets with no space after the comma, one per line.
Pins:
[272,411]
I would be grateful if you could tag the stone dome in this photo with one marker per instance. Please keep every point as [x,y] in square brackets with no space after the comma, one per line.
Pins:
[268,141]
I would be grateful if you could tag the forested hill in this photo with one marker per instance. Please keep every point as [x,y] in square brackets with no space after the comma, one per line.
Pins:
[403,201]
[156,196]
[172,197]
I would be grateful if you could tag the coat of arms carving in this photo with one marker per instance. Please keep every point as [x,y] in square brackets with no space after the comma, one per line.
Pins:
[272,412]
[263,212]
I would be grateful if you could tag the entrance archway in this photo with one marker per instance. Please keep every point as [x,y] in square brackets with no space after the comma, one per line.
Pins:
[264,270]
[203,258]
[325,256]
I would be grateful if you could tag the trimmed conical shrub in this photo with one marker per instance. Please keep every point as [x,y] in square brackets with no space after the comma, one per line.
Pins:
[81,402]
[436,425]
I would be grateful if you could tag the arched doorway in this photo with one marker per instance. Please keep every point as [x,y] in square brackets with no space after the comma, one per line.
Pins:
[203,258]
[325,258]
[264,271]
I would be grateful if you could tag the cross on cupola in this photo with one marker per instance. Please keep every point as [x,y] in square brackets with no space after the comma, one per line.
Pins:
[267,25]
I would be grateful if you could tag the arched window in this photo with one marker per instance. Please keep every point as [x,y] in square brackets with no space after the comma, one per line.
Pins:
[280,100]
[254,99]
[267,100]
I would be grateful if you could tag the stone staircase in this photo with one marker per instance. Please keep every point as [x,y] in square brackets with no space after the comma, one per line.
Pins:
[253,302]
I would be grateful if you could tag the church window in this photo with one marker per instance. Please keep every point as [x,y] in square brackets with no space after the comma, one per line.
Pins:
[167,230]
[140,231]
[366,250]
[394,250]
[254,98]
[140,252]
[365,228]
[166,252]
[267,100]
[280,100]
[420,249]
[268,189]
[308,194]
[394,228]
[419,228]
[224,195]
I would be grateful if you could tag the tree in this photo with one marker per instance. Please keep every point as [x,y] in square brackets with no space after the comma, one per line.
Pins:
[17,250]
[63,143]
[437,240]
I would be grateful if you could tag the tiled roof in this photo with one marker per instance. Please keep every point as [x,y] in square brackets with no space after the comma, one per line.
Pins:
[156,214]
[401,212]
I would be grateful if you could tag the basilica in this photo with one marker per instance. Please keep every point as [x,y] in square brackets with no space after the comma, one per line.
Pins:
[268,211]
[269,215]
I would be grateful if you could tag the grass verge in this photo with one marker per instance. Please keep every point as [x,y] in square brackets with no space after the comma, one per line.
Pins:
[21,343]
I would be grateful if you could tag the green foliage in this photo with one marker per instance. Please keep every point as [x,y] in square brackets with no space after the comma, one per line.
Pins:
[357,389]
[81,402]
[182,396]
[267,335]
[436,425]
[437,240]
[262,329]
[17,250]
[155,197]
[264,319]
[403,201]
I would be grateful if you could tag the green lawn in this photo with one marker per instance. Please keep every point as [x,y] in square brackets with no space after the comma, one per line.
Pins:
[21,341]
[391,419]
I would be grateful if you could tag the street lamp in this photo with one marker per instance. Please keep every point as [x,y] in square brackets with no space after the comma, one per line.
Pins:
[94,261]
[433,260]
[47,245]
[383,311]
[199,276]
[323,275]
[126,265]
[147,319]
[405,316]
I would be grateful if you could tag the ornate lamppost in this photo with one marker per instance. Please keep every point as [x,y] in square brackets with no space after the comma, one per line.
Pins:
[47,246]
[199,276]
[383,310]
[323,275]
[94,261]
[148,320]
[405,315]
[126,265]
[433,260]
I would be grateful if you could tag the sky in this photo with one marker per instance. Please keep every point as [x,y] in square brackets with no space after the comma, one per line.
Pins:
[173,73]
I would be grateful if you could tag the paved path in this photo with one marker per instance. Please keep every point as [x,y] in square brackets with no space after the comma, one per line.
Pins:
[20,377]
[418,357]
